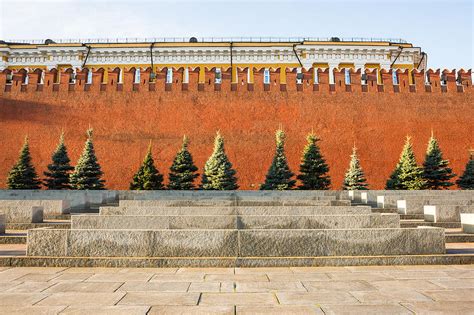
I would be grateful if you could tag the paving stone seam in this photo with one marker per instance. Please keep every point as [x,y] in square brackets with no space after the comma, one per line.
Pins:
[402,304]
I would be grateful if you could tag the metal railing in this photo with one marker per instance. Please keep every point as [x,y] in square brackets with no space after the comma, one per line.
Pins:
[208,40]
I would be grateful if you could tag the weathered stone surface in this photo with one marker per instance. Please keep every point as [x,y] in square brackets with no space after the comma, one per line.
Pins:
[319,222]
[235,222]
[133,243]
[3,223]
[415,204]
[445,213]
[22,213]
[50,207]
[377,197]
[233,243]
[47,242]
[278,210]
[77,199]
[361,242]
[212,202]
[153,222]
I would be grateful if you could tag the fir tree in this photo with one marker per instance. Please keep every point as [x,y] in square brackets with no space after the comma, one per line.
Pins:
[218,172]
[466,180]
[436,172]
[355,177]
[183,171]
[87,173]
[147,177]
[23,174]
[279,174]
[393,182]
[313,168]
[57,176]
[408,175]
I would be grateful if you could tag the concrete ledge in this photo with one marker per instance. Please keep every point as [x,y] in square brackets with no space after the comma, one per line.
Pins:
[280,210]
[22,213]
[50,207]
[177,262]
[3,222]
[445,213]
[226,243]
[235,222]
[467,222]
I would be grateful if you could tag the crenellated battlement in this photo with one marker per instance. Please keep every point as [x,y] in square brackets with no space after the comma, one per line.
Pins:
[234,79]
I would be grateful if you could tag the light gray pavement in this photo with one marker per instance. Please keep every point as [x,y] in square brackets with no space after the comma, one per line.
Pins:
[305,290]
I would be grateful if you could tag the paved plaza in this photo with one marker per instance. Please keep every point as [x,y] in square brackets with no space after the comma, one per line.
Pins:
[309,290]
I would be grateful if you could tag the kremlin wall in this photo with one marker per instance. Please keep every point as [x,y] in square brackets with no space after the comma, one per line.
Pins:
[375,116]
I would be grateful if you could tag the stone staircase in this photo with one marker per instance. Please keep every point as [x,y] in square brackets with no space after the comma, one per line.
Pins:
[220,231]
[242,228]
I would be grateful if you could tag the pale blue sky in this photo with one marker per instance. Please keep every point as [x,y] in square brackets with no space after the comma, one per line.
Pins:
[444,29]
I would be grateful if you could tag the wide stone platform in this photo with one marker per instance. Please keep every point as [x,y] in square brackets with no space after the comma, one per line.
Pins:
[287,290]
[249,228]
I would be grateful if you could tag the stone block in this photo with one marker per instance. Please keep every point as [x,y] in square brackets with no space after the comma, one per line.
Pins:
[467,222]
[280,210]
[355,242]
[445,213]
[319,221]
[19,212]
[131,222]
[415,204]
[50,207]
[47,242]
[133,243]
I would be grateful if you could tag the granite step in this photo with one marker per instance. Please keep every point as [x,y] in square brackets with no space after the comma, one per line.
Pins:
[235,221]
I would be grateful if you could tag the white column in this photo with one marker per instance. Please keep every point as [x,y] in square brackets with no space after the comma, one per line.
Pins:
[332,66]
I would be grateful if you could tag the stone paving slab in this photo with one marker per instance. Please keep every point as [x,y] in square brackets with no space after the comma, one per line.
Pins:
[442,289]
[37,310]
[365,309]
[159,298]
[82,298]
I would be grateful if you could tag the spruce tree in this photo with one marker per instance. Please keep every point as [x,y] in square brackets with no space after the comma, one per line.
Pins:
[183,171]
[218,172]
[23,174]
[147,177]
[393,182]
[57,176]
[355,177]
[410,175]
[466,180]
[313,168]
[87,173]
[436,172]
[279,174]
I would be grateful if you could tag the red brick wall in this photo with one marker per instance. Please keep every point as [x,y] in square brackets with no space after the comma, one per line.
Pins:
[125,122]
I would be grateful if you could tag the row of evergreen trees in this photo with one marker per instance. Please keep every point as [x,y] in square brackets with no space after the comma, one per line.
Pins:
[434,174]
[60,174]
[218,173]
